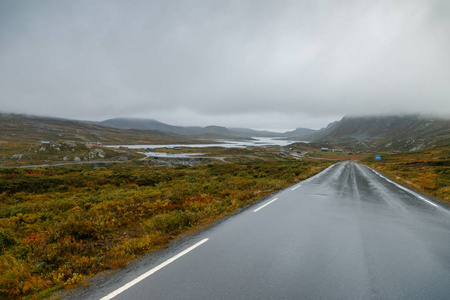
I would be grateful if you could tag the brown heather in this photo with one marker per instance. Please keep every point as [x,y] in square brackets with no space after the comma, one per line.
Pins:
[427,171]
[60,226]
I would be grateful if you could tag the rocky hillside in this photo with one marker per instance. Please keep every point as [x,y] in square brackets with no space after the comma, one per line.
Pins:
[25,128]
[403,133]
[389,133]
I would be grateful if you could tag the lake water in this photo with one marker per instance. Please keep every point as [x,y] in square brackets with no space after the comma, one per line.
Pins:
[220,143]
[171,155]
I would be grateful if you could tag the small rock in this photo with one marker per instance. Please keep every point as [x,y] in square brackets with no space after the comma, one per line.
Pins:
[97,152]
[101,153]
[70,144]
[17,156]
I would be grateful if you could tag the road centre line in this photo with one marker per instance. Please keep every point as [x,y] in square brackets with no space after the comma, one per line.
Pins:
[405,189]
[261,207]
[155,269]
[294,188]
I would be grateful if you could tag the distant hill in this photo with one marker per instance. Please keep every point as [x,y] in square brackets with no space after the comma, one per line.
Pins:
[219,132]
[118,131]
[405,133]
[257,133]
[149,124]
[212,132]
[306,134]
[205,132]
[26,128]
[300,132]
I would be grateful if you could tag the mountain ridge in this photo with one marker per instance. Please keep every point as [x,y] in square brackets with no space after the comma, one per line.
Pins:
[18,127]
[149,124]
[405,133]
[211,130]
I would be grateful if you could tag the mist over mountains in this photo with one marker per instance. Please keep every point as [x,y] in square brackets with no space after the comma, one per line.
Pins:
[380,132]
[211,131]
[404,133]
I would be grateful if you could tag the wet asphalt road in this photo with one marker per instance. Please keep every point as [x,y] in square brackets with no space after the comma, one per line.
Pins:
[347,233]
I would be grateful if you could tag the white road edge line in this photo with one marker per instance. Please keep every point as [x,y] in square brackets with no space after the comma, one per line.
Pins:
[155,269]
[261,207]
[294,188]
[405,189]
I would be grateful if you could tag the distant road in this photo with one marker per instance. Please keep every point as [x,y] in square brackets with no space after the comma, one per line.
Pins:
[347,233]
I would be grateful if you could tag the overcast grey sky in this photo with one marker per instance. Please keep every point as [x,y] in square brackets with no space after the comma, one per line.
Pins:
[259,64]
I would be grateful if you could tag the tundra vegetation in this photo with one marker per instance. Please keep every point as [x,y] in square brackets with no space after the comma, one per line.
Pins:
[427,171]
[59,226]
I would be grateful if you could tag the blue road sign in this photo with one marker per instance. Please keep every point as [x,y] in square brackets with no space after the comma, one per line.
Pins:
[377,157]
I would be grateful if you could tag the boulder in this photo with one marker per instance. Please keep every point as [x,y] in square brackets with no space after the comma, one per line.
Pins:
[17,156]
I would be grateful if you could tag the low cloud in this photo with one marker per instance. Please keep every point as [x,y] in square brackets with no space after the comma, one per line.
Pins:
[235,62]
